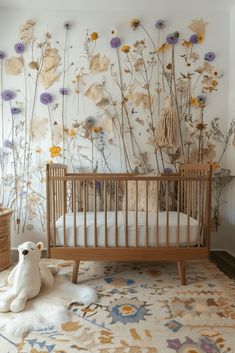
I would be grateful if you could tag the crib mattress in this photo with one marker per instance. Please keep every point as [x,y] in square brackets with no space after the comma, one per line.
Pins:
[162,236]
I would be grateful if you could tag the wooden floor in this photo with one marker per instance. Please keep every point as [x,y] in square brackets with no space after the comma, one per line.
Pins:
[225,262]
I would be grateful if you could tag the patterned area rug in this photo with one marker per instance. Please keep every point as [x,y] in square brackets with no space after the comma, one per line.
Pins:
[142,309]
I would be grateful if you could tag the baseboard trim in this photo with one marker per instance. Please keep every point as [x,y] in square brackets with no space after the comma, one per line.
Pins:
[230,253]
[225,262]
[226,250]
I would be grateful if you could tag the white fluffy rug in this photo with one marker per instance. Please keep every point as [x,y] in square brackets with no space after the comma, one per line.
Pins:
[50,306]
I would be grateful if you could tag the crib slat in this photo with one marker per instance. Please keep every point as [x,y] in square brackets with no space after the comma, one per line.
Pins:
[167,213]
[208,212]
[59,195]
[157,215]
[203,212]
[72,195]
[64,212]
[80,196]
[48,210]
[54,210]
[126,215]
[136,215]
[74,213]
[95,214]
[194,198]
[110,195]
[146,215]
[56,182]
[188,212]
[105,213]
[178,211]
[116,211]
[85,211]
[199,214]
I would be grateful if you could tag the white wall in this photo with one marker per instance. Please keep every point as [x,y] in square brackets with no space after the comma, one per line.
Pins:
[229,209]
[217,39]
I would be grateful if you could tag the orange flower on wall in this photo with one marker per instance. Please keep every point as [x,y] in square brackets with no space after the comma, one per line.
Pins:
[201,37]
[94,36]
[55,151]
[71,133]
[125,48]
[164,47]
[96,129]
[194,102]
[214,165]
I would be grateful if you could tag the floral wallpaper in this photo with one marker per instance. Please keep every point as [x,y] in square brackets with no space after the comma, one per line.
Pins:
[149,100]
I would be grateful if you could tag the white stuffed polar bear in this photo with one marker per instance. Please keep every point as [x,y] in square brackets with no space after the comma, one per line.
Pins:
[26,278]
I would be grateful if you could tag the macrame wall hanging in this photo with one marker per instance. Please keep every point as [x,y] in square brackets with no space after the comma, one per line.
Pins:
[166,129]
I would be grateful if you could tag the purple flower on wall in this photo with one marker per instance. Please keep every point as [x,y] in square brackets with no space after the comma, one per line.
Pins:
[201,99]
[98,185]
[64,91]
[2,55]
[8,144]
[19,47]
[173,38]
[46,98]
[90,121]
[160,24]
[194,38]
[15,110]
[167,170]
[115,42]
[7,95]
[210,56]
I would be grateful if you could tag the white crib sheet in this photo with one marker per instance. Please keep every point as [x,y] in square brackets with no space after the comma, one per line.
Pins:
[183,222]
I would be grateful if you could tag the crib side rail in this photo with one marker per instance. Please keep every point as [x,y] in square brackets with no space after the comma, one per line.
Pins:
[56,198]
[130,198]
[200,194]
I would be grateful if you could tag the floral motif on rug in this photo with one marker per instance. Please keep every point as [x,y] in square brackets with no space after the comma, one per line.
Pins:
[142,308]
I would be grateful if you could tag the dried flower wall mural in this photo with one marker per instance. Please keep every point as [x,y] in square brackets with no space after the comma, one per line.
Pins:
[149,100]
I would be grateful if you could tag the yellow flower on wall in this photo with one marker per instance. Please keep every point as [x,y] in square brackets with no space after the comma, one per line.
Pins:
[164,47]
[135,23]
[214,83]
[201,126]
[96,129]
[125,48]
[198,26]
[71,133]
[187,43]
[94,36]
[38,149]
[214,165]
[55,151]
[194,102]
[200,37]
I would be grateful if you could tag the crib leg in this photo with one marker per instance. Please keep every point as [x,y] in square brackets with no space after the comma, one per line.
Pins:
[181,268]
[75,271]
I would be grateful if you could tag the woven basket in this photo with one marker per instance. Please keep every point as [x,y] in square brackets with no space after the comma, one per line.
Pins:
[5,238]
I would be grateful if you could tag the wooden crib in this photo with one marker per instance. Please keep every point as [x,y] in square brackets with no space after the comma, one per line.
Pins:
[128,217]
